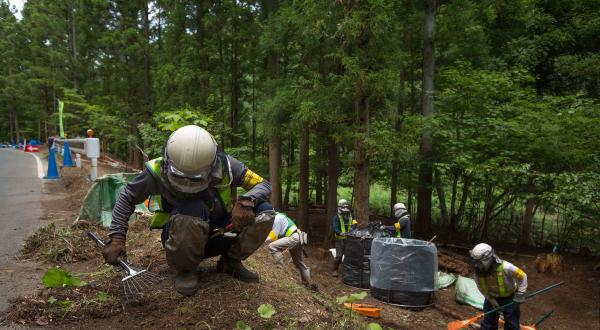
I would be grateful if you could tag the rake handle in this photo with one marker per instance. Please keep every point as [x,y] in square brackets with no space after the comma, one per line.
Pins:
[543,318]
[95,238]
[535,293]
[100,243]
[464,323]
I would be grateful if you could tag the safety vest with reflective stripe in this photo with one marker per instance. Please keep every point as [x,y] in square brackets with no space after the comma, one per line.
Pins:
[343,227]
[398,233]
[160,218]
[502,292]
[289,230]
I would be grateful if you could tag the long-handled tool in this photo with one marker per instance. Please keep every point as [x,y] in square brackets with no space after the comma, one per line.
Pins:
[459,324]
[534,325]
[135,281]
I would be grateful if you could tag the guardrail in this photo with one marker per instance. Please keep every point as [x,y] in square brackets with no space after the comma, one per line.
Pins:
[89,147]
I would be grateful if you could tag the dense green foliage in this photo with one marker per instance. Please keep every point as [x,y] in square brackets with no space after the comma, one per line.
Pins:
[515,130]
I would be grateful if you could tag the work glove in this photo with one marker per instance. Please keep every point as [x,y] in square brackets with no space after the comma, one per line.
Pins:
[519,298]
[494,302]
[114,248]
[242,214]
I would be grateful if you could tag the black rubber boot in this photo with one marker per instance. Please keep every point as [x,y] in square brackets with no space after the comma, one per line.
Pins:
[236,269]
[187,283]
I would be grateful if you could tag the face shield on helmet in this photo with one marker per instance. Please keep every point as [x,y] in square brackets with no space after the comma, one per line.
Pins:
[482,258]
[190,183]
[343,206]
[190,159]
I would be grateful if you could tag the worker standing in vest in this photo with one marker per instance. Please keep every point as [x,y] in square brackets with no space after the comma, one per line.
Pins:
[343,222]
[286,236]
[191,192]
[501,283]
[400,229]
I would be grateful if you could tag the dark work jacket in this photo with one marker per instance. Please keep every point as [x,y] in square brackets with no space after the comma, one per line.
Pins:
[146,184]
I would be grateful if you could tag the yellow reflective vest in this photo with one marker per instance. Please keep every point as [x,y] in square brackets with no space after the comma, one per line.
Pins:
[160,217]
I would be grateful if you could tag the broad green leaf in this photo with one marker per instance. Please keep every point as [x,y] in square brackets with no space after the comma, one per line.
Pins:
[341,300]
[356,296]
[359,296]
[266,311]
[60,278]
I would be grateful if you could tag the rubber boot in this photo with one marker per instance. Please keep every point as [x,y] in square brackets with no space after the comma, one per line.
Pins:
[334,267]
[306,281]
[236,269]
[187,283]
[278,260]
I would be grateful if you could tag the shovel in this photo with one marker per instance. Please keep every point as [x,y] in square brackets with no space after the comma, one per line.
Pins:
[459,324]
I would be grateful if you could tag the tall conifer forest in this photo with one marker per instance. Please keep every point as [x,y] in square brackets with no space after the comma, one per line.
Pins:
[483,117]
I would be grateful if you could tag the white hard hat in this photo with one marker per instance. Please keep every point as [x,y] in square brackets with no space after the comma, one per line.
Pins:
[483,257]
[398,210]
[190,156]
[481,251]
[398,206]
[343,206]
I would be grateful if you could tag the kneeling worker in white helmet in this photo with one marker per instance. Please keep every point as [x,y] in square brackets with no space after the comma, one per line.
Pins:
[501,283]
[191,192]
[343,222]
[400,229]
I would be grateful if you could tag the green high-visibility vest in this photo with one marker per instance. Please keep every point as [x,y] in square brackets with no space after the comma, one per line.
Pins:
[501,287]
[343,228]
[291,226]
[160,217]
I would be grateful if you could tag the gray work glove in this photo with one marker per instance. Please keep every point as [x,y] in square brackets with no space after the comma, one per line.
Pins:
[493,302]
[519,298]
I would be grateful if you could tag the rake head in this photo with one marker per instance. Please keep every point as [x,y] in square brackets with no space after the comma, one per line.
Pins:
[136,281]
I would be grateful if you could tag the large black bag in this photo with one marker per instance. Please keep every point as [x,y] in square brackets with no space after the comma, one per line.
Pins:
[357,254]
[404,271]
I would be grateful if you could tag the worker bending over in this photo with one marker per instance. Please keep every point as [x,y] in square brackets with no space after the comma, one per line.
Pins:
[286,236]
[501,283]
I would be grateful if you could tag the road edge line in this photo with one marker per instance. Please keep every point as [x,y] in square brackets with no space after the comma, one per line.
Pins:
[40,167]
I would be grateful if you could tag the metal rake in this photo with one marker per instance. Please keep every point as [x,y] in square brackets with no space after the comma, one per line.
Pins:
[135,281]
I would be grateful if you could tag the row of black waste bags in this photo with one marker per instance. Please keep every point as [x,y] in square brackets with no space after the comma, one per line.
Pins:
[398,271]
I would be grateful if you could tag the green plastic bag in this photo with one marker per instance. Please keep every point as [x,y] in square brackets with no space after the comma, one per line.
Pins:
[101,198]
[445,280]
[468,293]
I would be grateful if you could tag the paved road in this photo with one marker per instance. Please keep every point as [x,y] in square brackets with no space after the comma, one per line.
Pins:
[20,211]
